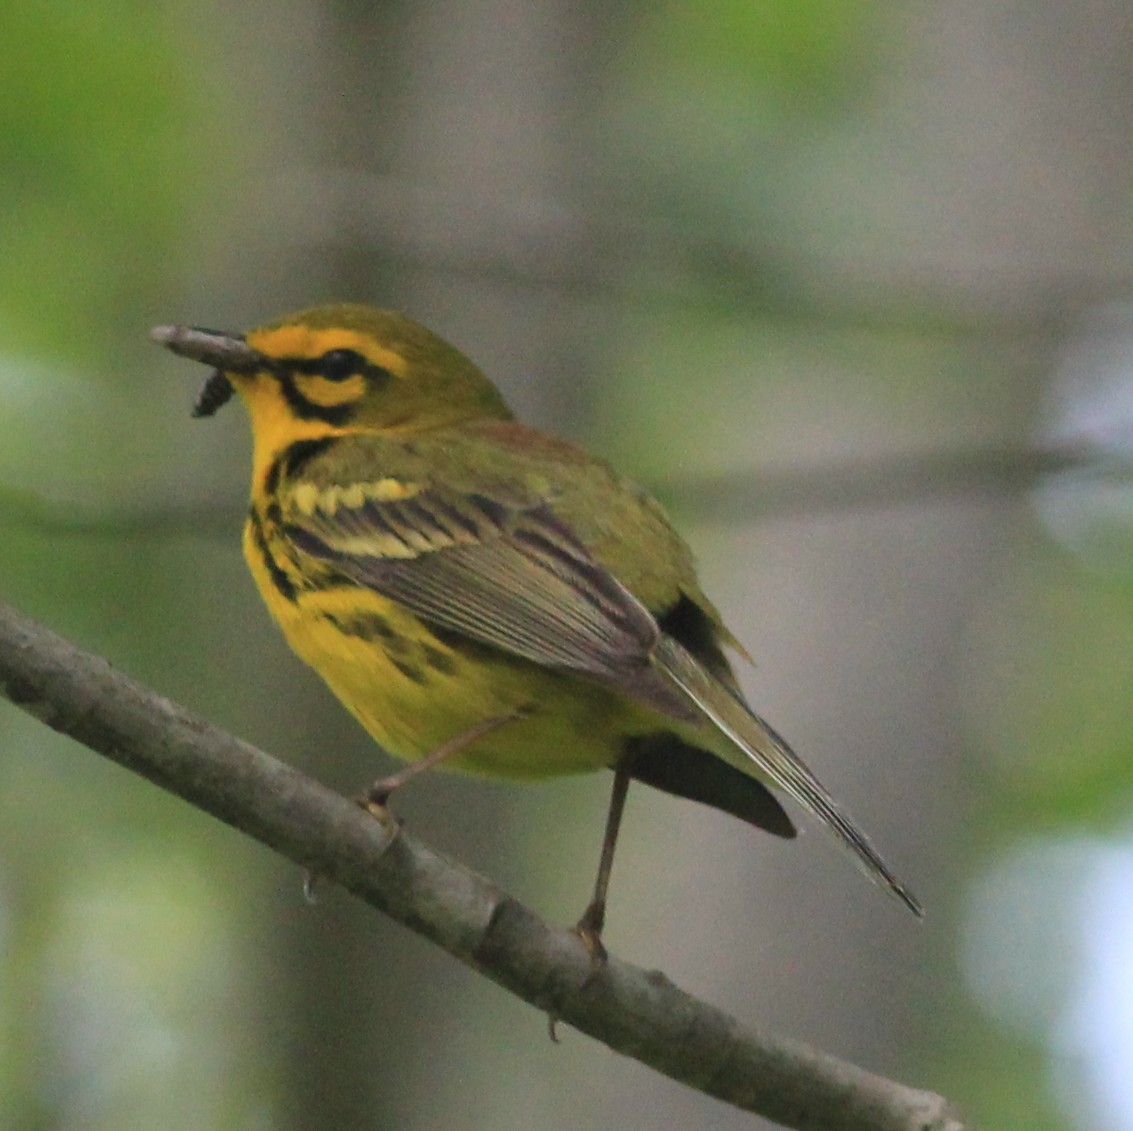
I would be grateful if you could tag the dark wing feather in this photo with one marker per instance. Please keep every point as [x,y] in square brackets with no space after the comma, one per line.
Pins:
[514,578]
[665,762]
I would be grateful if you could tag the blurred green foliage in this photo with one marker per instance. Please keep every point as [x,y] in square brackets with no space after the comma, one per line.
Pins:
[135,960]
[791,59]
[1046,694]
[112,128]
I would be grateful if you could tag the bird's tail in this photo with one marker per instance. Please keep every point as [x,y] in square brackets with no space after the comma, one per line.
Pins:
[775,761]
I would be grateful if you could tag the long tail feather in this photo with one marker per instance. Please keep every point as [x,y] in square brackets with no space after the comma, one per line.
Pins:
[775,761]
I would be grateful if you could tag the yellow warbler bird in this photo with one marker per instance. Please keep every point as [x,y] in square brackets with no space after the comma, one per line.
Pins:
[478,592]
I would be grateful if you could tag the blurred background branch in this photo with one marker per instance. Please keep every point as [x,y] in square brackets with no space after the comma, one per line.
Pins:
[748,495]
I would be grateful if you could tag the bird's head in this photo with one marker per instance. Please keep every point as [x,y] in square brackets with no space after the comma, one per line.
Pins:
[335,369]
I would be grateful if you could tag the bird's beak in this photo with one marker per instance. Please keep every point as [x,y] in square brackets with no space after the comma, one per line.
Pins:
[212,347]
[227,353]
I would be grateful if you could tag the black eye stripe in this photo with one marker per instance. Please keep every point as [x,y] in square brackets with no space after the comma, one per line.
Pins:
[341,364]
[334,365]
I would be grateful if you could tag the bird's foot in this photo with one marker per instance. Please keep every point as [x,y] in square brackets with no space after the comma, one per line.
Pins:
[376,802]
[589,930]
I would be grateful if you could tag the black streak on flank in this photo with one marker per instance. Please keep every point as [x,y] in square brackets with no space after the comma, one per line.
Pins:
[279,579]
[410,671]
[442,662]
[366,626]
[469,649]
[274,473]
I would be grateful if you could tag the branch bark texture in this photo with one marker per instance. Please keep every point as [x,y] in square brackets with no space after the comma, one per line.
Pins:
[636,1012]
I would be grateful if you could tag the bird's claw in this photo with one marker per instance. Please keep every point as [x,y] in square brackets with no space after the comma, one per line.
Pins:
[589,931]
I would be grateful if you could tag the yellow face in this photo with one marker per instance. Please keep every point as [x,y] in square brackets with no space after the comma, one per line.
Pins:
[317,385]
[336,369]
[324,374]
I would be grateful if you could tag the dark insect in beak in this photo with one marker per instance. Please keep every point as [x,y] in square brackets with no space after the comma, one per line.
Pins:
[217,391]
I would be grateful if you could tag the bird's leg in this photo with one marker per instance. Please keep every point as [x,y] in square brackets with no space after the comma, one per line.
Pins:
[378,795]
[589,927]
[375,799]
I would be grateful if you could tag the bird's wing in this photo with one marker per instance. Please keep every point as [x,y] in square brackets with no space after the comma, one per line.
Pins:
[513,575]
[510,576]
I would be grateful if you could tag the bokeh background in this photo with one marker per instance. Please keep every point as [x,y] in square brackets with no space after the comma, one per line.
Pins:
[847,284]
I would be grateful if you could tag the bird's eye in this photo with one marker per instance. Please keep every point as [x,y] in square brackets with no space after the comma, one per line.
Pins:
[337,365]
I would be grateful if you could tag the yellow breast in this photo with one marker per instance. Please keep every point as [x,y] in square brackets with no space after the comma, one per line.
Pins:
[414,689]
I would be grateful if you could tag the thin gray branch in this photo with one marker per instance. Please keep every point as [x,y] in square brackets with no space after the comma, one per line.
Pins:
[636,1012]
